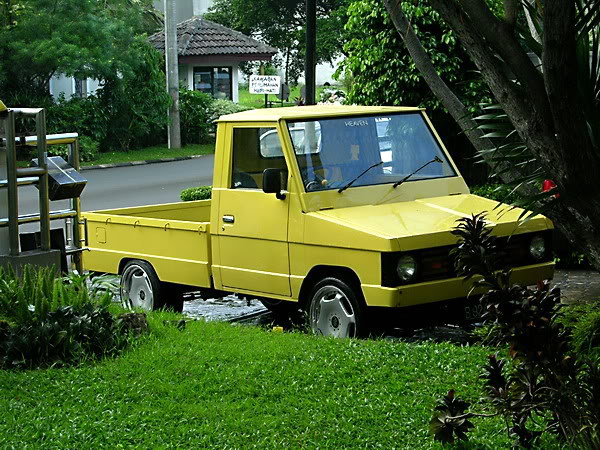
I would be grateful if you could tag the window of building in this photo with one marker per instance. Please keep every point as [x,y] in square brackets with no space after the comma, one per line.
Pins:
[216,81]
[80,88]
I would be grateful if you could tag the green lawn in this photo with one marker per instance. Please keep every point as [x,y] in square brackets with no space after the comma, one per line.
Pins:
[150,153]
[258,101]
[224,386]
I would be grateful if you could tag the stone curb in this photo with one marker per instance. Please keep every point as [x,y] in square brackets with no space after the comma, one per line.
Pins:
[140,163]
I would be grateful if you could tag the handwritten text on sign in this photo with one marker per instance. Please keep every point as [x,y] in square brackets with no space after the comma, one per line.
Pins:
[265,84]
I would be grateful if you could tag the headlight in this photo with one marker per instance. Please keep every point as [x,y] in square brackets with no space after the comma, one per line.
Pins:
[406,268]
[537,248]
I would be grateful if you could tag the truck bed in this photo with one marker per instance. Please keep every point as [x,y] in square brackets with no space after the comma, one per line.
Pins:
[173,237]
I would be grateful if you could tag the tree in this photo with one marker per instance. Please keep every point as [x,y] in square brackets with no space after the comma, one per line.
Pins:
[555,109]
[281,24]
[82,38]
[384,72]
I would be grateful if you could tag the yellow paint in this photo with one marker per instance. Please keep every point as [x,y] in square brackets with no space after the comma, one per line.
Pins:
[272,244]
[2,107]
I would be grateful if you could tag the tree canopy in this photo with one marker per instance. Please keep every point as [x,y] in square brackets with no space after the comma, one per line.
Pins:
[281,24]
[544,72]
[83,38]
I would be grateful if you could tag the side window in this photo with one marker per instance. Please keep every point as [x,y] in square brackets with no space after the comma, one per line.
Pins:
[254,150]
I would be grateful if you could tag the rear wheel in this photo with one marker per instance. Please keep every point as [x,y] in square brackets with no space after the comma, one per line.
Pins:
[334,309]
[141,288]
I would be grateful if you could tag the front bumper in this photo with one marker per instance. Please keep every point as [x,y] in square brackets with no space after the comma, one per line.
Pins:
[452,288]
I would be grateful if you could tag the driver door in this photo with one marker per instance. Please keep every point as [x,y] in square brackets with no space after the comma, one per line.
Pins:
[253,225]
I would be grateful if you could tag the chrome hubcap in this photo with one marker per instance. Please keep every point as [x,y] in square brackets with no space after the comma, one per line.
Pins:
[136,288]
[332,314]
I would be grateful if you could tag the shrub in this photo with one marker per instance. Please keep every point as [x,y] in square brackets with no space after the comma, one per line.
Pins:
[194,108]
[55,321]
[499,192]
[544,386]
[221,107]
[196,193]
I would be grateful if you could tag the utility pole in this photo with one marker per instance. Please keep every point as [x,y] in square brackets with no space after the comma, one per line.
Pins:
[311,50]
[172,70]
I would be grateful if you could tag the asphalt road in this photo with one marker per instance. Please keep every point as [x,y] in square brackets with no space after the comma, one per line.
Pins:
[128,186]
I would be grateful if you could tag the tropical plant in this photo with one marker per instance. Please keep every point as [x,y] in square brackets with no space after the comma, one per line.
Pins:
[50,320]
[544,387]
[194,114]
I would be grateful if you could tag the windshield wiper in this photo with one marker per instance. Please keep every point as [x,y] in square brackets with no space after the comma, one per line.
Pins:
[398,183]
[351,182]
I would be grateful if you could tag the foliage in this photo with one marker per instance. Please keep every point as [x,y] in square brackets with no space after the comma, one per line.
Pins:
[499,192]
[55,321]
[82,38]
[221,107]
[382,69]
[134,103]
[583,320]
[128,111]
[31,296]
[275,390]
[194,108]
[196,193]
[548,388]
[332,96]
[282,25]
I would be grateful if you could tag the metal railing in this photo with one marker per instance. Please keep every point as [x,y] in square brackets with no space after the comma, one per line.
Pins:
[17,177]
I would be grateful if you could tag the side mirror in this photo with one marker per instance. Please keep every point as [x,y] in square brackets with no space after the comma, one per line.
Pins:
[272,182]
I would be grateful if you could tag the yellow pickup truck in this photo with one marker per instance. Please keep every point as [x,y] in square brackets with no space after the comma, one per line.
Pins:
[340,210]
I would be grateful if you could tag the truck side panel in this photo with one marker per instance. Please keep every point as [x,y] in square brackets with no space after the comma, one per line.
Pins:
[178,250]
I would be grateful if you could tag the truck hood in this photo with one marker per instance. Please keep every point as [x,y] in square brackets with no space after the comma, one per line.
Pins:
[424,222]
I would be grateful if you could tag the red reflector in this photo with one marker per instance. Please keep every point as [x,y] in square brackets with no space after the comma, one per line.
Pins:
[437,265]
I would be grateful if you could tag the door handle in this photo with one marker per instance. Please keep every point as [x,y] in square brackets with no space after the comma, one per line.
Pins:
[228,219]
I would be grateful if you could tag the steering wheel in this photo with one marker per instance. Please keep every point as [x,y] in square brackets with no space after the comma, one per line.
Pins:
[317,180]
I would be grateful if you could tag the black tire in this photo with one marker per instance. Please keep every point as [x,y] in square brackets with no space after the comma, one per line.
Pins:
[140,286]
[172,295]
[280,307]
[335,309]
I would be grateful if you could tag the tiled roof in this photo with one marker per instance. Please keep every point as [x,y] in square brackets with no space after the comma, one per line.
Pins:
[201,37]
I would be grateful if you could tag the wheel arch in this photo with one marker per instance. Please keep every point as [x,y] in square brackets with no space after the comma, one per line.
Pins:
[320,272]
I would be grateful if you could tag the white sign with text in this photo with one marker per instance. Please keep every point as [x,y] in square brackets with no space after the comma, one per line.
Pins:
[265,84]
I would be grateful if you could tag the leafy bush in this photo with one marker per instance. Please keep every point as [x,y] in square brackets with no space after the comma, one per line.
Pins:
[544,387]
[583,320]
[220,107]
[499,192]
[52,321]
[194,107]
[196,193]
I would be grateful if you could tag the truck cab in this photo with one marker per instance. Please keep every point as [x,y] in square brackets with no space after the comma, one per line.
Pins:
[335,209]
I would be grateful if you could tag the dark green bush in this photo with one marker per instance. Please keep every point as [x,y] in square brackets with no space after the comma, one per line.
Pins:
[583,320]
[52,321]
[498,192]
[196,193]
[194,115]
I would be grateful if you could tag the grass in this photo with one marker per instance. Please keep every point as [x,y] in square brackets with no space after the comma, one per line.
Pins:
[144,154]
[151,153]
[224,386]
[258,101]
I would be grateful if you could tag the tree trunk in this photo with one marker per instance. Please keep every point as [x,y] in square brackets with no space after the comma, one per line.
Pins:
[542,109]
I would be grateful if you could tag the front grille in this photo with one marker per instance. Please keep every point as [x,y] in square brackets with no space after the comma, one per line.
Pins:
[437,264]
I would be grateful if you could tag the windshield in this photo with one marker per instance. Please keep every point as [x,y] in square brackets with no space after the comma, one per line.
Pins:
[332,152]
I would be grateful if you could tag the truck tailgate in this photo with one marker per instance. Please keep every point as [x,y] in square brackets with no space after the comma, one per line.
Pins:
[173,237]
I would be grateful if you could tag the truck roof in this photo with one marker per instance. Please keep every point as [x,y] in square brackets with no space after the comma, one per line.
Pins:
[310,112]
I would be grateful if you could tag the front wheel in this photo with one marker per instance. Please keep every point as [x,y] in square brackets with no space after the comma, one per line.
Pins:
[334,310]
